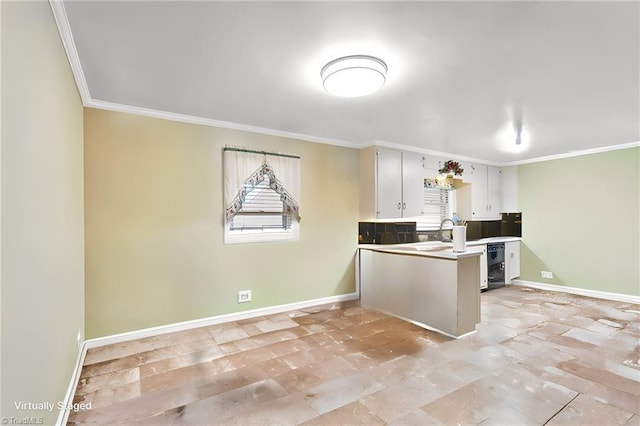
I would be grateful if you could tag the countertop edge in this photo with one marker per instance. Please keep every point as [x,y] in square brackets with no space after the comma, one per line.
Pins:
[440,254]
[493,240]
[472,248]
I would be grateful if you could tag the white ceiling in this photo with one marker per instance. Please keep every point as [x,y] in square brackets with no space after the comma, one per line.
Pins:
[457,70]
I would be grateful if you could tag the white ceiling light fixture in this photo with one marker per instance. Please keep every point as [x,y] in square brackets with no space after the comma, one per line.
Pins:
[354,76]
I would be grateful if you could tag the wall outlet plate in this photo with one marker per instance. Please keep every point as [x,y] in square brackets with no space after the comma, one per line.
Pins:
[546,274]
[244,296]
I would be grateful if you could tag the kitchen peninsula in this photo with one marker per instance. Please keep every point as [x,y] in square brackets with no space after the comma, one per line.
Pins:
[427,284]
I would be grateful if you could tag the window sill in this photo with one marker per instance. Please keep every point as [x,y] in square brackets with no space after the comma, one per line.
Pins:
[242,237]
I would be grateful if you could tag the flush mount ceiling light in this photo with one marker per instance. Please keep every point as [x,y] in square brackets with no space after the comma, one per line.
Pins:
[353,76]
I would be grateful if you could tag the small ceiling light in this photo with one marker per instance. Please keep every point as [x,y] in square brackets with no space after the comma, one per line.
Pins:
[353,76]
[518,136]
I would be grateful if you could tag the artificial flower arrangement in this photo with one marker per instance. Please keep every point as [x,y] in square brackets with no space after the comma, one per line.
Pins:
[451,167]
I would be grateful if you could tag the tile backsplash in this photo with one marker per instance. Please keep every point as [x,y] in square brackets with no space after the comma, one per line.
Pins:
[395,233]
[387,232]
[405,232]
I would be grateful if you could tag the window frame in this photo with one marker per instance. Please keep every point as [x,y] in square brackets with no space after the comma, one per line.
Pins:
[273,234]
[446,210]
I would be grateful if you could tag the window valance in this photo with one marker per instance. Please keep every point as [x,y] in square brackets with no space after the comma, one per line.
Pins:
[245,169]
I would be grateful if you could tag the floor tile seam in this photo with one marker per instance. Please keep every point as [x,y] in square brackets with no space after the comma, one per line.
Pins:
[634,333]
[384,417]
[359,398]
[165,370]
[99,392]
[561,409]
[261,335]
[227,420]
[137,354]
[104,379]
[84,375]
[528,355]
[599,380]
[463,383]
[266,348]
[425,409]
[204,396]
[514,410]
[127,401]
[263,345]
[497,401]
[577,358]
[146,388]
[519,330]
[106,386]
[141,363]
[229,414]
[89,362]
[626,365]
[587,387]
[568,350]
[174,370]
[537,396]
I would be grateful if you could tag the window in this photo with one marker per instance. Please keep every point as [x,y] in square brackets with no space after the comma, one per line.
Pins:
[438,205]
[262,210]
[261,193]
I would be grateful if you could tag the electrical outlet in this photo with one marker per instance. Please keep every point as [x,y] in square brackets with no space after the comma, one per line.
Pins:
[546,274]
[244,296]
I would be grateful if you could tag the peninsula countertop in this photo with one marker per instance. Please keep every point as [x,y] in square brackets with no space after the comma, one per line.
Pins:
[439,249]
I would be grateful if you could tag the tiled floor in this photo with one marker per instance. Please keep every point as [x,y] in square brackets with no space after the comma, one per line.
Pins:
[538,358]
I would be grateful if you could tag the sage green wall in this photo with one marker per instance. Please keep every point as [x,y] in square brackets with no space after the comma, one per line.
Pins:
[581,221]
[42,212]
[154,225]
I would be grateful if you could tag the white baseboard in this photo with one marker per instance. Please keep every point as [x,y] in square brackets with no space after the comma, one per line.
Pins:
[618,297]
[63,416]
[204,322]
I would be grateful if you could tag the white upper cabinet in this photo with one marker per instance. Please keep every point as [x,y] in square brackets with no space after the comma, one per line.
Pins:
[510,189]
[494,192]
[412,184]
[481,199]
[391,183]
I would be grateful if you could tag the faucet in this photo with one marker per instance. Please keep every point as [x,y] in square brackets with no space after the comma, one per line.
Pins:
[442,224]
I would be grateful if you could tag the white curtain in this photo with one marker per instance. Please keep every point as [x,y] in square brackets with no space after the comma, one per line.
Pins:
[241,164]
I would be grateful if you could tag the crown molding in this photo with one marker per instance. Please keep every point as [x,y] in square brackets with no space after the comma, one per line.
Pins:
[435,153]
[577,153]
[190,119]
[60,16]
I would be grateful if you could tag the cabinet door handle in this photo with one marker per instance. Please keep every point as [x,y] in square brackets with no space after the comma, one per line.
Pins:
[404,206]
[399,204]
